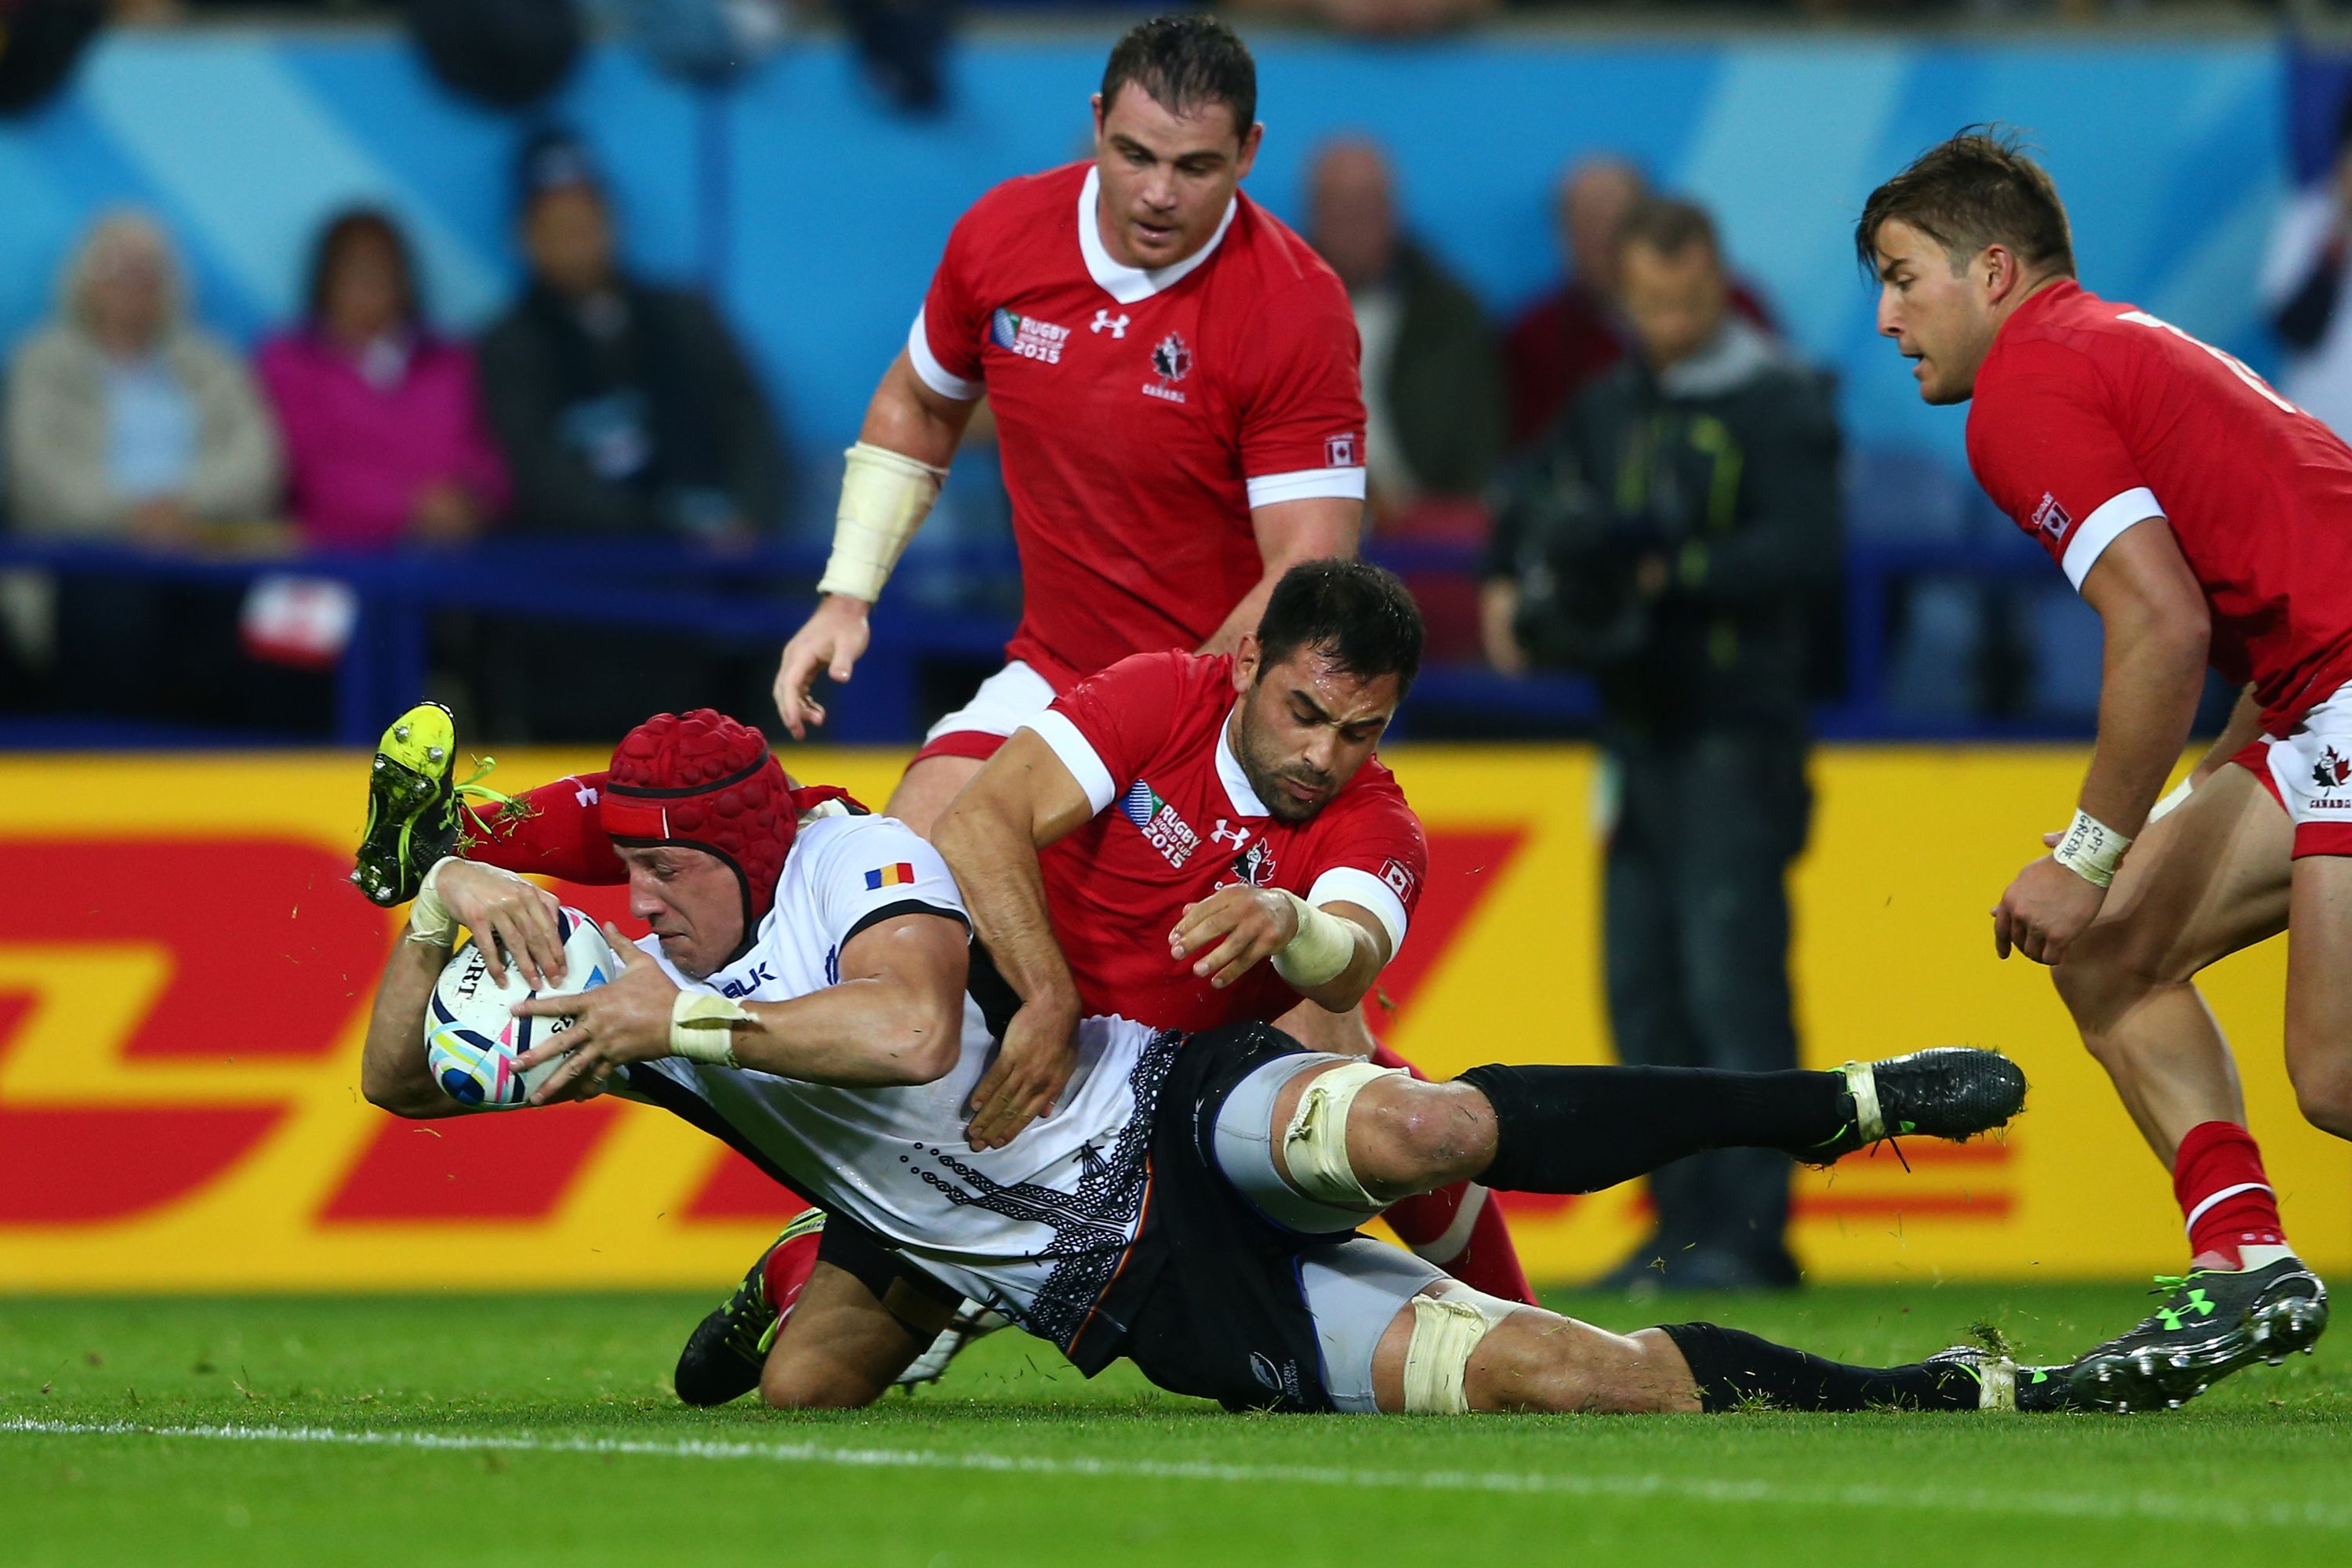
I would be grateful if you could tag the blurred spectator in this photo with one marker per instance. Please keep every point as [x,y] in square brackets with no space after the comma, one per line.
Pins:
[385,434]
[623,408]
[1375,18]
[124,422]
[2303,289]
[1675,535]
[1432,396]
[1567,338]
[127,425]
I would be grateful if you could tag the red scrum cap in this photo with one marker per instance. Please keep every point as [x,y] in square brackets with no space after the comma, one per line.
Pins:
[703,780]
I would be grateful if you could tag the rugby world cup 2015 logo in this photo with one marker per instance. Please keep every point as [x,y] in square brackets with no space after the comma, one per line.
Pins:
[1158,822]
[1027,336]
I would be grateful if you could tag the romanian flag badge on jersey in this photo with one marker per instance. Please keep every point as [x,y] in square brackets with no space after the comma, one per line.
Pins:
[897,876]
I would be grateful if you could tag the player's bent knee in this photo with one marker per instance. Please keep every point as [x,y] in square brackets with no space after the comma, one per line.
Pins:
[1315,1147]
[2324,1094]
[1450,1322]
[1412,1137]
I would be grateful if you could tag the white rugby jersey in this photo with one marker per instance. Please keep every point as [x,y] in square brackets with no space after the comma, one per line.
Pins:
[1035,1229]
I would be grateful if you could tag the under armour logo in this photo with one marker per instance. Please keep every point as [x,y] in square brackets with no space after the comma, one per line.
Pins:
[1103,319]
[1237,837]
[585,794]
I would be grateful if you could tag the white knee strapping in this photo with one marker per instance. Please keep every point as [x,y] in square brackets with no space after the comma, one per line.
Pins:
[1315,1144]
[1448,1323]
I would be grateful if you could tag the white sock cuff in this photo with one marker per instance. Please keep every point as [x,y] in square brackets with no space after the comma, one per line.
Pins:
[2211,1198]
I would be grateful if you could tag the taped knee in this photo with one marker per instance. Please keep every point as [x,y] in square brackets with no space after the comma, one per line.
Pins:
[1449,1322]
[1315,1144]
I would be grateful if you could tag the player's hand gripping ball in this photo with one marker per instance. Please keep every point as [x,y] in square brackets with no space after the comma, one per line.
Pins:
[472,1040]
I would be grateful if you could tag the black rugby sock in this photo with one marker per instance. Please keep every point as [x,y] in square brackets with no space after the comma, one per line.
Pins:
[1730,1367]
[1579,1130]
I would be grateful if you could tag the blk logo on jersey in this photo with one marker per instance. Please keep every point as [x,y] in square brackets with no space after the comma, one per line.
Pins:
[2331,771]
[2050,518]
[1254,866]
[1172,362]
[1158,822]
[746,984]
[1027,336]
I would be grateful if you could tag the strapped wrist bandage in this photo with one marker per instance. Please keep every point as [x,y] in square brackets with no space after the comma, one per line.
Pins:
[885,496]
[701,1027]
[2091,849]
[1320,951]
[429,920]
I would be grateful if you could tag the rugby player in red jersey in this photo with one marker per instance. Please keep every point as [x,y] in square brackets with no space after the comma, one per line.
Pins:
[1173,376]
[2207,519]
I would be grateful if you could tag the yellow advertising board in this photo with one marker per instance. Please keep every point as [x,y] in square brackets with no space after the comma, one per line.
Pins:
[185,978]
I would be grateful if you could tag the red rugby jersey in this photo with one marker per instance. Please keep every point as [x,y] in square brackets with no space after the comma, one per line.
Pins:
[2090,416]
[1141,415]
[1176,819]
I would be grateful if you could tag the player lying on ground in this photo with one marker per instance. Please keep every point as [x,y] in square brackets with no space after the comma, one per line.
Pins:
[2204,517]
[1191,1204]
[1231,807]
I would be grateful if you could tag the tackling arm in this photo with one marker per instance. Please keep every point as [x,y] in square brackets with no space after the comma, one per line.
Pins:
[896,1016]
[1288,532]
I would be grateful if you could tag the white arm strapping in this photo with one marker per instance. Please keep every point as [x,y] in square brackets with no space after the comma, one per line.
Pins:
[1322,949]
[885,496]
[702,1028]
[429,920]
[2091,849]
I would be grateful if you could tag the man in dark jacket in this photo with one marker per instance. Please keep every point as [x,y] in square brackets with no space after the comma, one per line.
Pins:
[623,408]
[1676,534]
[1432,389]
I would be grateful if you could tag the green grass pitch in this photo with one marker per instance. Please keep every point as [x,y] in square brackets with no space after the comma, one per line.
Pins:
[539,1429]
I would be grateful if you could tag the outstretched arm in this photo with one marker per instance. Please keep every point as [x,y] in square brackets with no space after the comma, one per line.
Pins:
[392,1072]
[896,1016]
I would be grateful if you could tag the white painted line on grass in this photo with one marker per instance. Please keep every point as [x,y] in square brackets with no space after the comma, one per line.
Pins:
[2167,1507]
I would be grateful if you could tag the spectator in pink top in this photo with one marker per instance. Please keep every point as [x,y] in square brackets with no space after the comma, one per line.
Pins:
[385,441]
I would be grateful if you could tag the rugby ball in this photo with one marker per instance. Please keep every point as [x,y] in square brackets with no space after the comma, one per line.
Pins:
[471,1038]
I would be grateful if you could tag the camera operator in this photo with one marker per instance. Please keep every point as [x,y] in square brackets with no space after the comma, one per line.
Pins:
[1675,533]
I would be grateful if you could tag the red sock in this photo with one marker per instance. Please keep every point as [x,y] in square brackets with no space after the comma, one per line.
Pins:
[2227,1200]
[789,1268]
[559,836]
[1460,1229]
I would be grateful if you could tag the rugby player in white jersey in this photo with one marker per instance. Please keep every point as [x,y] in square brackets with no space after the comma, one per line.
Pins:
[836,1039]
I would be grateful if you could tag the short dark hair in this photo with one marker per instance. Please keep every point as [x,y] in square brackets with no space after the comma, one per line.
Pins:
[1668,226]
[1186,63]
[355,225]
[1356,613]
[1977,189]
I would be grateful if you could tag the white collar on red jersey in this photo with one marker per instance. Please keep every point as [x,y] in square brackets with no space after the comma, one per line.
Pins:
[1230,774]
[1130,284]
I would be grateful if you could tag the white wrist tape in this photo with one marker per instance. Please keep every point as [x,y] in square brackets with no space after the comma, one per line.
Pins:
[429,920]
[2091,849]
[2172,802]
[702,1028]
[885,496]
[1320,951]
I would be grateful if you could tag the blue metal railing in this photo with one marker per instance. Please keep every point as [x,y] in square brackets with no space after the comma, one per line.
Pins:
[762,595]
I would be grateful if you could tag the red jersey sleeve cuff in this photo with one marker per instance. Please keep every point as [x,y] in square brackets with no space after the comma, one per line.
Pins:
[1346,884]
[1309,484]
[1077,753]
[2101,528]
[931,373]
